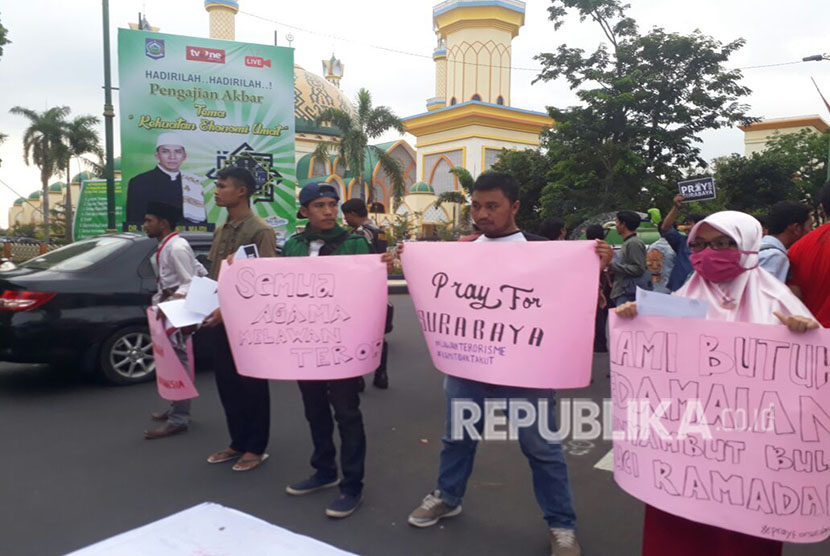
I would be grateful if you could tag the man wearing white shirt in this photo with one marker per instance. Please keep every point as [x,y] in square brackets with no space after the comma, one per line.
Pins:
[175,265]
[495,202]
[167,184]
[786,222]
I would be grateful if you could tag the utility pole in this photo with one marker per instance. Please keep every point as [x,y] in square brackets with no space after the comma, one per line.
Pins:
[109,114]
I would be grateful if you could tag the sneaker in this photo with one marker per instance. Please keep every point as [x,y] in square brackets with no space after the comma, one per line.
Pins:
[312,484]
[563,542]
[343,506]
[431,510]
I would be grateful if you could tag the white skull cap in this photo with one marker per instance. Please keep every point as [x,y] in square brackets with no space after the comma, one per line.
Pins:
[169,139]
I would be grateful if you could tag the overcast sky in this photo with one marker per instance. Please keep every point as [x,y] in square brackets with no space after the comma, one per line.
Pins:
[56,54]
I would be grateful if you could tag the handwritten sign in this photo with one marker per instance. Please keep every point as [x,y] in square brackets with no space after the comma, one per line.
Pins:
[174,382]
[724,423]
[518,314]
[306,318]
[702,189]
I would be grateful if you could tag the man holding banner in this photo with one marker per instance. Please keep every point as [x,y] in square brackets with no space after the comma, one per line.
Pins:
[246,400]
[323,237]
[474,353]
[175,265]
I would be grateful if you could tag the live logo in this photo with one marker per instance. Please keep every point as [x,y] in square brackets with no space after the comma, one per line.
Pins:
[203,54]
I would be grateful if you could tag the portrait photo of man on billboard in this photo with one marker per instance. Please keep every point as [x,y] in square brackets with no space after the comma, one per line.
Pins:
[167,183]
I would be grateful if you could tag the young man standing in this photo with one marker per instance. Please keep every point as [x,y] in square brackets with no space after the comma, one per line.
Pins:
[786,223]
[629,266]
[246,400]
[323,237]
[175,265]
[495,202]
[357,217]
[810,265]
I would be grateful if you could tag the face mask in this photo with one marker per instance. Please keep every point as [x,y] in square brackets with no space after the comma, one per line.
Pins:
[719,266]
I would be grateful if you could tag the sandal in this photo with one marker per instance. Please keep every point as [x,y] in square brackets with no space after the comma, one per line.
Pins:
[247,464]
[224,455]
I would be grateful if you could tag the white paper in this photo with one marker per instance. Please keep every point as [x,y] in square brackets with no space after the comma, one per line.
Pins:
[210,529]
[178,315]
[201,296]
[249,251]
[665,305]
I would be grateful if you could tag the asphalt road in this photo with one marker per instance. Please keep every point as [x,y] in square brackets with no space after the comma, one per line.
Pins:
[76,469]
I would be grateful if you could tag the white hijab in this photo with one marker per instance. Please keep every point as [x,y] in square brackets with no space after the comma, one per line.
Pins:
[752,296]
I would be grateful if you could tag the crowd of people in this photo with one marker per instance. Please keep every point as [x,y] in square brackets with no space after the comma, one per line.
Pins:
[781,276]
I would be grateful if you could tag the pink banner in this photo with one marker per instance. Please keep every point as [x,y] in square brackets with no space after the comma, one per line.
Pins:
[518,314]
[305,318]
[724,423]
[174,382]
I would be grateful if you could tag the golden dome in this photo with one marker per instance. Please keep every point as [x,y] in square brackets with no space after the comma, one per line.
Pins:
[312,94]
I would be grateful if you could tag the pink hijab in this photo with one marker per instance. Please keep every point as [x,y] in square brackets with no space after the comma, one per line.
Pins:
[755,294]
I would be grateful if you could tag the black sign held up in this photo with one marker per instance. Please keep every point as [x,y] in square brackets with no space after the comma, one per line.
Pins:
[702,189]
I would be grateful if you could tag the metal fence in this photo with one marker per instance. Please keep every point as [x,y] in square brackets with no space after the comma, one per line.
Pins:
[21,251]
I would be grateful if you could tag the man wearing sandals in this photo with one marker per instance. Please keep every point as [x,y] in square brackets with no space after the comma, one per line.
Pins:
[246,400]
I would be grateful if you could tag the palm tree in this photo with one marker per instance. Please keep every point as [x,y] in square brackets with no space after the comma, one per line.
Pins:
[465,179]
[43,146]
[80,138]
[367,123]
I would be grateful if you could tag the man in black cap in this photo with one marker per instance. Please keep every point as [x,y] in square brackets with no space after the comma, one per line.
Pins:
[175,266]
[323,237]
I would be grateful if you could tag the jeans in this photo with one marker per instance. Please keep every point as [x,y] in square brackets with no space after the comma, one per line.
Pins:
[320,397]
[246,400]
[546,459]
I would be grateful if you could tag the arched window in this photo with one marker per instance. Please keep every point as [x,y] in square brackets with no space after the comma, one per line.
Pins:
[452,101]
[500,100]
[476,97]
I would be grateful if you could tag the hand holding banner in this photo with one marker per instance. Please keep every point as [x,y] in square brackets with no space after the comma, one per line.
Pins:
[724,423]
[305,318]
[174,383]
[517,314]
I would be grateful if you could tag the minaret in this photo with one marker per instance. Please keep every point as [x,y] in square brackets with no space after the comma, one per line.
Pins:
[333,70]
[474,53]
[222,18]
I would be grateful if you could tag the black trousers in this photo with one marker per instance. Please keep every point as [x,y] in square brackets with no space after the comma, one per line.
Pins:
[320,397]
[246,400]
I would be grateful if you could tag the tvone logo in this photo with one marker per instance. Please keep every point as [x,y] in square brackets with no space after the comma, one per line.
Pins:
[202,54]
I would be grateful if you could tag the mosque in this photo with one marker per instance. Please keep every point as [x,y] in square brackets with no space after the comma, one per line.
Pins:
[467,123]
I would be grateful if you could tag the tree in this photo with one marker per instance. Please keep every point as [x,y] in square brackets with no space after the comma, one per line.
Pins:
[357,129]
[80,138]
[807,151]
[3,38]
[531,169]
[43,146]
[644,100]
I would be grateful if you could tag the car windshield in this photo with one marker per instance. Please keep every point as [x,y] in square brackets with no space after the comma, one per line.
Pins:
[78,255]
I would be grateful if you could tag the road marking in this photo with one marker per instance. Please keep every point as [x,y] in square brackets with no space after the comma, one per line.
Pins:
[607,462]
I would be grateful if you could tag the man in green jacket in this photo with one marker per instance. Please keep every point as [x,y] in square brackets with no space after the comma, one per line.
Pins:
[322,237]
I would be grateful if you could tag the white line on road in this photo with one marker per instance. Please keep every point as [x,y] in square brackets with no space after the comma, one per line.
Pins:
[607,462]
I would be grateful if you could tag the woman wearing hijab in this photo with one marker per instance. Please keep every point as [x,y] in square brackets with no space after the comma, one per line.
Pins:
[724,250]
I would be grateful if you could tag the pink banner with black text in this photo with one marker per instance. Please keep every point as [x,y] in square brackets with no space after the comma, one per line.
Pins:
[516,314]
[305,318]
[174,382]
[724,423]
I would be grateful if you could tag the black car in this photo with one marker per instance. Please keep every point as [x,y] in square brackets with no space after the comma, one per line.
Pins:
[84,306]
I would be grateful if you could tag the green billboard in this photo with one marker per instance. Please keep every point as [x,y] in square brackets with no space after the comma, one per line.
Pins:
[192,106]
[91,213]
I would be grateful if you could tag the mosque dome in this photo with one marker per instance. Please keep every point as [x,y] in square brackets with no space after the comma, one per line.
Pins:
[421,188]
[78,178]
[57,187]
[35,196]
[19,201]
[312,95]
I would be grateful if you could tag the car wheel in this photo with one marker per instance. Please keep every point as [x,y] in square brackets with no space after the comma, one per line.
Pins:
[127,357]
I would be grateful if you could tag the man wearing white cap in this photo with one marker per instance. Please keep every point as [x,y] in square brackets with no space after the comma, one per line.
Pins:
[167,184]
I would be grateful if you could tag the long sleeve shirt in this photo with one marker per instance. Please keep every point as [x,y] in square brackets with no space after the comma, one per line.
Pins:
[773,258]
[175,265]
[630,265]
